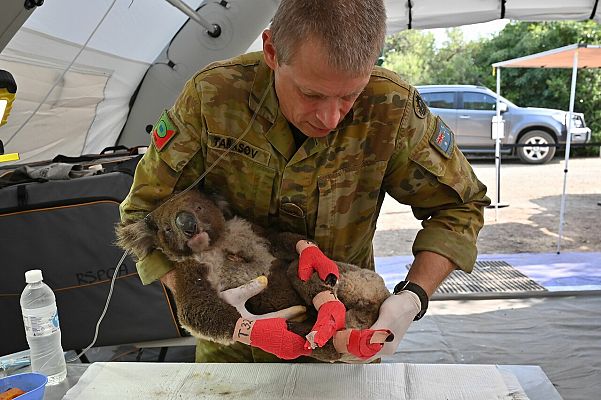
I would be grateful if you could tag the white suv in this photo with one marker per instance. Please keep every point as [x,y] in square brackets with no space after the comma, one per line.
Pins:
[468,111]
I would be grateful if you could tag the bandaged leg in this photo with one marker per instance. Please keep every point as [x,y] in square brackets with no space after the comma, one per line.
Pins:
[331,314]
[271,335]
[363,343]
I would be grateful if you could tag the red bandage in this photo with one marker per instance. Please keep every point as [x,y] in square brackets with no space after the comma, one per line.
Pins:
[360,343]
[363,344]
[331,317]
[312,259]
[271,335]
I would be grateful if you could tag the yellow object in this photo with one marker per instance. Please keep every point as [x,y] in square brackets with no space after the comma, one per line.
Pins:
[8,89]
[6,103]
[9,157]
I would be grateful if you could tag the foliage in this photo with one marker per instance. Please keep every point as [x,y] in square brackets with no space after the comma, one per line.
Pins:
[414,56]
[409,55]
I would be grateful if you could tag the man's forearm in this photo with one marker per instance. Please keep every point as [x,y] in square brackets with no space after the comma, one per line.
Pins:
[429,270]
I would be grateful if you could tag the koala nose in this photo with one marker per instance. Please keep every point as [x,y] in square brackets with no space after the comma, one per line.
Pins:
[186,222]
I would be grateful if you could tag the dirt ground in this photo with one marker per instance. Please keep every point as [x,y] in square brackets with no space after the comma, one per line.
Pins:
[530,223]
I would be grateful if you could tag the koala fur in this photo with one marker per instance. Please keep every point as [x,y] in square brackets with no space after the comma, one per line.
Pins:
[212,253]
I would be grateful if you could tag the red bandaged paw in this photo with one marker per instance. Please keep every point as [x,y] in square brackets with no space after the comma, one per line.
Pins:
[331,317]
[312,259]
[271,335]
[363,344]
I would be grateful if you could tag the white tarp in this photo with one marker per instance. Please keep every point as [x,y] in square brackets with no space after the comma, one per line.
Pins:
[399,381]
[89,106]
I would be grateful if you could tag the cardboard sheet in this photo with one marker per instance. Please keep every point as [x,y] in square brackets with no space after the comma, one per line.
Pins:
[150,381]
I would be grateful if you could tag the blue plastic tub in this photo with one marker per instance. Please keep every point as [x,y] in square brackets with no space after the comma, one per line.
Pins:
[32,383]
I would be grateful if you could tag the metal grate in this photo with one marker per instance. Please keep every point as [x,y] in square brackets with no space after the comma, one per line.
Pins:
[488,277]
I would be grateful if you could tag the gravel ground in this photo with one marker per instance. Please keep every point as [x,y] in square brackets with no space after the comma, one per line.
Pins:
[530,224]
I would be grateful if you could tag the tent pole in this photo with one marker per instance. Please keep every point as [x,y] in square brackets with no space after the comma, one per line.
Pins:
[212,29]
[568,141]
[498,145]
[497,128]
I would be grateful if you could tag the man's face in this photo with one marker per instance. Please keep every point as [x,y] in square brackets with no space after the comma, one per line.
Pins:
[313,96]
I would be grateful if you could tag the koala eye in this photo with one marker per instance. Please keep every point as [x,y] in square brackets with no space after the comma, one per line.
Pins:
[199,208]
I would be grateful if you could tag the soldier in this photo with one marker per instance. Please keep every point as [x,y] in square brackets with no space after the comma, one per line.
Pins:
[324,135]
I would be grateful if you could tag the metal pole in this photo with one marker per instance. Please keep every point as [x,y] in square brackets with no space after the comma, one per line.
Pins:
[498,145]
[212,29]
[568,141]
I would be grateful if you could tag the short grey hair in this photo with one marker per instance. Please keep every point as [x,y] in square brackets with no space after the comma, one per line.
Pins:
[351,31]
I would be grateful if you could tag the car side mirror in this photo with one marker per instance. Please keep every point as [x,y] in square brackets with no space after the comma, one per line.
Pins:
[502,107]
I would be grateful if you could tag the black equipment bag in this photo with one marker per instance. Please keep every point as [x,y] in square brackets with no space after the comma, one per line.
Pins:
[66,229]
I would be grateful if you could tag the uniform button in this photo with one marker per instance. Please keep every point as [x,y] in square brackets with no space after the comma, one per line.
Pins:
[292,209]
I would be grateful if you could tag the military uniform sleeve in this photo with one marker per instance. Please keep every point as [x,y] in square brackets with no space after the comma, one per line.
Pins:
[429,173]
[172,162]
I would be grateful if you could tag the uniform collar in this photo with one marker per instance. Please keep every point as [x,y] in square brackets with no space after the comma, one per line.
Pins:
[264,82]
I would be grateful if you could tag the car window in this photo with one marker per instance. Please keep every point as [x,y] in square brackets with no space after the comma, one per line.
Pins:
[478,101]
[439,99]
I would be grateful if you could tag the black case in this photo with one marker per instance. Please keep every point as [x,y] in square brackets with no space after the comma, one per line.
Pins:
[66,229]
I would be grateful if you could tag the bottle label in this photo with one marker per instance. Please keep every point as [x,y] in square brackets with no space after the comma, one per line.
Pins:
[41,321]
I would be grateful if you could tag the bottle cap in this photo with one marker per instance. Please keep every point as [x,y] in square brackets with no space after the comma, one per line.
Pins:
[33,276]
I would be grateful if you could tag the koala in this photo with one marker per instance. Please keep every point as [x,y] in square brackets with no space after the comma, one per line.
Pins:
[213,251]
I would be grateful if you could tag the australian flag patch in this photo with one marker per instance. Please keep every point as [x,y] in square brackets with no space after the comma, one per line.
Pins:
[443,138]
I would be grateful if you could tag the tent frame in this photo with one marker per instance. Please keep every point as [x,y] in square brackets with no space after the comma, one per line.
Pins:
[512,64]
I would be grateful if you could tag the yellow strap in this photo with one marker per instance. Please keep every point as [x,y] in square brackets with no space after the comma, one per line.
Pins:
[9,157]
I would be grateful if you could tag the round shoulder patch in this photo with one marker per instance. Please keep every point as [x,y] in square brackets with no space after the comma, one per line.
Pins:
[164,130]
[421,110]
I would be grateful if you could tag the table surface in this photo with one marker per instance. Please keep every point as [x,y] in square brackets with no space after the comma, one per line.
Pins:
[532,378]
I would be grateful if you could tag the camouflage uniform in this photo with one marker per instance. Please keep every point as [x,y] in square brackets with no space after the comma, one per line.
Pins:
[332,188]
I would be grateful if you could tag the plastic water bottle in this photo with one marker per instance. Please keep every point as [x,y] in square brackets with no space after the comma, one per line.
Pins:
[42,329]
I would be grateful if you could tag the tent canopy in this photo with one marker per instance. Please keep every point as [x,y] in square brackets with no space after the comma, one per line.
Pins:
[574,56]
[422,14]
[589,56]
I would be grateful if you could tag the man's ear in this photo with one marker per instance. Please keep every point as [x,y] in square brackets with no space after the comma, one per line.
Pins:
[269,50]
[137,237]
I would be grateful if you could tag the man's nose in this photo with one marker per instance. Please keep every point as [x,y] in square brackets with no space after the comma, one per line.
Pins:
[329,113]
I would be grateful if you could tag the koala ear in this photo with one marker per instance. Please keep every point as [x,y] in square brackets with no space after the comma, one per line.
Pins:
[223,205]
[137,237]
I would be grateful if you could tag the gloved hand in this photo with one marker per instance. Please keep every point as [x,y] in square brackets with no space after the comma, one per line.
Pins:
[363,344]
[271,335]
[313,260]
[396,314]
[238,296]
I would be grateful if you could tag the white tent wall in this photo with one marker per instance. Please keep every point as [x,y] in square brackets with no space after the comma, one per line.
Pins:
[191,49]
[151,45]
[88,107]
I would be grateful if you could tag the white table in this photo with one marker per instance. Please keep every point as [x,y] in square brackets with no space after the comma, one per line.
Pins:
[533,380]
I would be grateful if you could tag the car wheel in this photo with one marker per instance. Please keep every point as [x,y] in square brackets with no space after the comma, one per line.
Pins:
[533,152]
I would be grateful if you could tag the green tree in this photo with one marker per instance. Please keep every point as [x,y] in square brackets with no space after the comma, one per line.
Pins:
[454,61]
[410,54]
